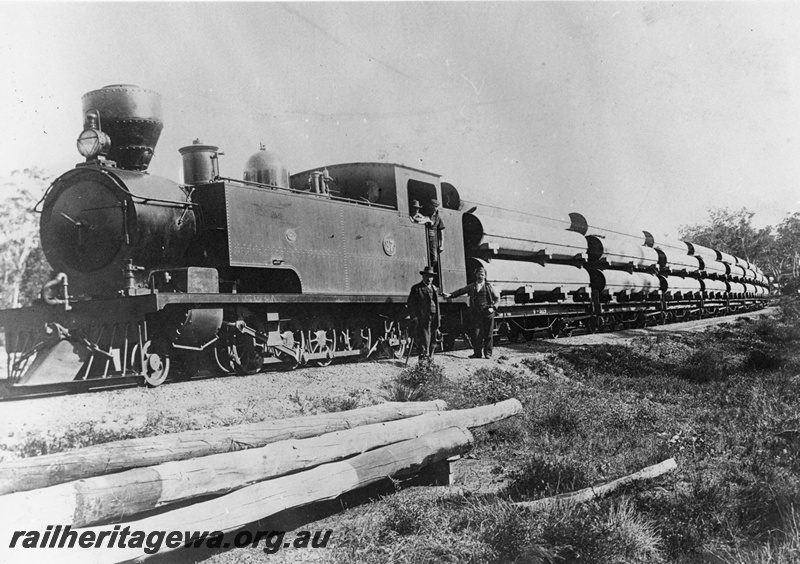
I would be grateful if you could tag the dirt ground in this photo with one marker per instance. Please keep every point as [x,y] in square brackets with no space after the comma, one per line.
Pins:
[213,402]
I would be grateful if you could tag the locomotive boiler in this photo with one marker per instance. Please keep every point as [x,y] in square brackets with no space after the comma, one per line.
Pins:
[157,278]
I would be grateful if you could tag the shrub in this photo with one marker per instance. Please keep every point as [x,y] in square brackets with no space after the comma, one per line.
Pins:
[705,365]
[617,360]
[772,331]
[509,531]
[542,367]
[402,517]
[422,381]
[783,547]
[633,537]
[332,404]
[560,415]
[491,385]
[425,373]
[602,533]
[764,359]
[545,476]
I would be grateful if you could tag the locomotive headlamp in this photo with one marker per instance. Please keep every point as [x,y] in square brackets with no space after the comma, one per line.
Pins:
[93,142]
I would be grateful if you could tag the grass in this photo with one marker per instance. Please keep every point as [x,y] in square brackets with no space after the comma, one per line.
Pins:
[313,405]
[725,404]
[88,434]
[92,433]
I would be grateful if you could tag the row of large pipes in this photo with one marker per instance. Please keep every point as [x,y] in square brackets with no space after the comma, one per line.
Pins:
[533,282]
[538,263]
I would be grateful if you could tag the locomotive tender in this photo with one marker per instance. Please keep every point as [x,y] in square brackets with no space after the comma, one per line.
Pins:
[154,276]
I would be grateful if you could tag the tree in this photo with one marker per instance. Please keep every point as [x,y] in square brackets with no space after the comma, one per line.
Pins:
[787,252]
[775,250]
[21,259]
[732,232]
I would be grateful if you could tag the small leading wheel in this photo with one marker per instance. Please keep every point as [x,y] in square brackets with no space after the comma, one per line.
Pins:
[152,366]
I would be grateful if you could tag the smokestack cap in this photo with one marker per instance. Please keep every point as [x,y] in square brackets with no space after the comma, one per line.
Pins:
[132,117]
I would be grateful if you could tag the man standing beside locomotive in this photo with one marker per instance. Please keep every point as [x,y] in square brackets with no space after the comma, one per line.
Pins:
[423,305]
[482,302]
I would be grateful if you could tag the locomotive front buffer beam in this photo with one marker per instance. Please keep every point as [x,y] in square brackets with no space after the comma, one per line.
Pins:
[95,341]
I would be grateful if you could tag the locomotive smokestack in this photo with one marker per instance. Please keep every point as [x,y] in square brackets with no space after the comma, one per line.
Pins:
[131,117]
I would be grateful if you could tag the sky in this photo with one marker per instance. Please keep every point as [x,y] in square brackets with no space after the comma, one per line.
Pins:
[637,115]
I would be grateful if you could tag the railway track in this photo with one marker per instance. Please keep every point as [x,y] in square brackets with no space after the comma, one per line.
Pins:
[209,371]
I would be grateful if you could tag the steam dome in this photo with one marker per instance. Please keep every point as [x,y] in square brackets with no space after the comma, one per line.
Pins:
[266,167]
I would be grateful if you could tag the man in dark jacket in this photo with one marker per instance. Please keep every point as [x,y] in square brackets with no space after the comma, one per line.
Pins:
[435,234]
[423,306]
[482,305]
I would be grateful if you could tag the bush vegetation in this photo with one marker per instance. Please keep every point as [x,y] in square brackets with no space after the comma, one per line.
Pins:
[725,404]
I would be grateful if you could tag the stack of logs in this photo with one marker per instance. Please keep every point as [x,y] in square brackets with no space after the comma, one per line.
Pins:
[224,479]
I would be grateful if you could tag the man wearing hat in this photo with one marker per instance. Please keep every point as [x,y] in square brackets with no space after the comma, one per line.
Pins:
[423,306]
[416,216]
[483,304]
[435,235]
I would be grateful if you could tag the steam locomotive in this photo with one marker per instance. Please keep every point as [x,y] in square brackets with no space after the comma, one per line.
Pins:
[155,277]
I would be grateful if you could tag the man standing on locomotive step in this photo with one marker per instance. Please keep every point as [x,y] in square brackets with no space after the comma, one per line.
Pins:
[482,305]
[423,306]
[435,235]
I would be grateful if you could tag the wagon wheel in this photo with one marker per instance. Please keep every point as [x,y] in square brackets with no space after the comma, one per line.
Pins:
[153,367]
[321,338]
[514,332]
[557,328]
[358,336]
